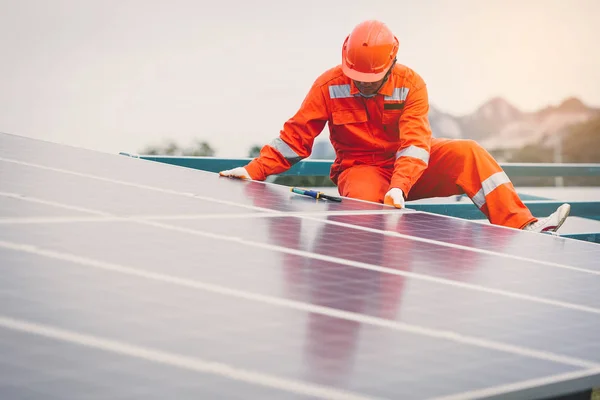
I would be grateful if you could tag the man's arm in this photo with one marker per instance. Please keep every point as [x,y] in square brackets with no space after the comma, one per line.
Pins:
[412,156]
[294,143]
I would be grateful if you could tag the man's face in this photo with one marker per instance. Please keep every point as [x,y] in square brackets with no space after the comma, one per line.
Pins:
[369,88]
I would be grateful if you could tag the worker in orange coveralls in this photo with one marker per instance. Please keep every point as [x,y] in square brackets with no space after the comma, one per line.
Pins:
[377,112]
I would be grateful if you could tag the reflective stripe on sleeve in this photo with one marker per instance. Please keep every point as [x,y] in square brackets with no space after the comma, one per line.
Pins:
[285,150]
[414,152]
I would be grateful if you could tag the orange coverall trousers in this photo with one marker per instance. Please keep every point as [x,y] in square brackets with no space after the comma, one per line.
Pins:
[455,167]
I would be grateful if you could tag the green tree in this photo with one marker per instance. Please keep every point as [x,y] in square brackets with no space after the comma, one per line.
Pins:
[200,149]
[580,144]
[254,151]
[169,148]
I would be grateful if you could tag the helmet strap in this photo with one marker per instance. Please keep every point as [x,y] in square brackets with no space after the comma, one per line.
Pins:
[383,81]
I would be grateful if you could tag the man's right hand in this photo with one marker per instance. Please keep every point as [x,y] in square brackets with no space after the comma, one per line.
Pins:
[239,173]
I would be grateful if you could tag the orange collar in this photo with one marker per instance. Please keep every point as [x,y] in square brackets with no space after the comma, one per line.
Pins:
[388,87]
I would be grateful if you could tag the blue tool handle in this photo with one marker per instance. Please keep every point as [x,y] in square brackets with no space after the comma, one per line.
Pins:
[311,193]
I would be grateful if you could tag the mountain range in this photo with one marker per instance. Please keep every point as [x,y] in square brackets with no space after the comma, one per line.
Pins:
[498,125]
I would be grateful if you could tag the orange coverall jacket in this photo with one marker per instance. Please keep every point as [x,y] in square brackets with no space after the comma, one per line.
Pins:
[390,130]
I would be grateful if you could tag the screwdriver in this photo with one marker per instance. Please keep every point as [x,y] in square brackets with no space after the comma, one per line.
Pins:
[315,194]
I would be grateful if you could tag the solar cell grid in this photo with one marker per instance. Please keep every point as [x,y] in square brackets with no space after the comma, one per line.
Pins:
[161,279]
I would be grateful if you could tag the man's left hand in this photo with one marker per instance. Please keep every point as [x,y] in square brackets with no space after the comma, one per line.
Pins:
[394,197]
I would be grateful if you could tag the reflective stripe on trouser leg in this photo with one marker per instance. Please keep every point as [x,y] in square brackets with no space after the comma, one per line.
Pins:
[488,186]
[490,189]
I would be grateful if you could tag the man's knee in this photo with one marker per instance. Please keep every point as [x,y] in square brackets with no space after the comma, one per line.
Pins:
[358,188]
[465,146]
[466,149]
[363,184]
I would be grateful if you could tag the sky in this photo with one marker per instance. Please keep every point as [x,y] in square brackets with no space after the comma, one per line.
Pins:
[119,75]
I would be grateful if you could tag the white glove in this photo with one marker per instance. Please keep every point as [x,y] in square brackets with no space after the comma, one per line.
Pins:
[239,173]
[394,197]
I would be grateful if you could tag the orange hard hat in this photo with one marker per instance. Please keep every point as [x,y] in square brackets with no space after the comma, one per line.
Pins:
[369,51]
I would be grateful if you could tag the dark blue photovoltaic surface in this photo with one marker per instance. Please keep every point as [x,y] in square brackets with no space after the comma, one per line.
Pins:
[351,297]
[251,335]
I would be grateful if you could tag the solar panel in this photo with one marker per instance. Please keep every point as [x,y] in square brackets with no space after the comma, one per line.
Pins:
[124,278]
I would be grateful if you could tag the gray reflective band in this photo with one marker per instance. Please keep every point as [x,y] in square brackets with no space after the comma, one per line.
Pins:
[285,150]
[414,152]
[400,94]
[339,91]
[488,186]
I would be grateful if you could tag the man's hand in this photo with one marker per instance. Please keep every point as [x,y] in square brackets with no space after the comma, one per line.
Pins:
[394,197]
[239,173]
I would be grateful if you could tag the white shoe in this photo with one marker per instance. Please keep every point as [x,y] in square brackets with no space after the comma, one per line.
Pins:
[550,223]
